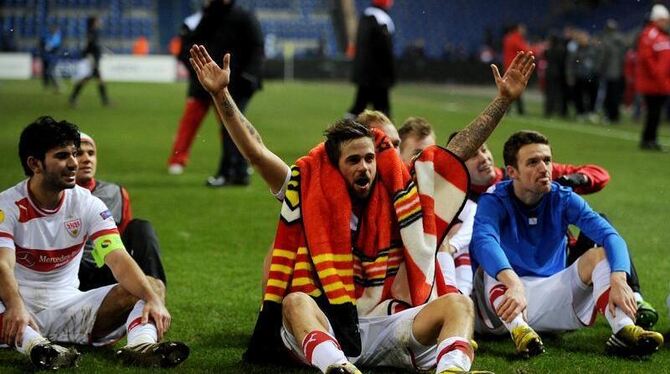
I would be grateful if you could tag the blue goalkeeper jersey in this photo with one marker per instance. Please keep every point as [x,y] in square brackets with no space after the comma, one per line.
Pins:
[532,241]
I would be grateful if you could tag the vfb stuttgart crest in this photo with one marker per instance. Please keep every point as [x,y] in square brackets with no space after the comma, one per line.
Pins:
[73,226]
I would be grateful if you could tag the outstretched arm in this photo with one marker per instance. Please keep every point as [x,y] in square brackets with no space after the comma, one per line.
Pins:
[510,87]
[215,80]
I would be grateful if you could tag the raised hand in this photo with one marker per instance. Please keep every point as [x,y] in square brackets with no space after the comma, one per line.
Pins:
[212,77]
[513,83]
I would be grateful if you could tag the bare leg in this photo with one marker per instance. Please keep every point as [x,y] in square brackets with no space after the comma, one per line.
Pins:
[450,315]
[588,261]
[301,315]
[113,312]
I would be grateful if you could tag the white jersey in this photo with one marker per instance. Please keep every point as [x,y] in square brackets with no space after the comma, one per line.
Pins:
[49,243]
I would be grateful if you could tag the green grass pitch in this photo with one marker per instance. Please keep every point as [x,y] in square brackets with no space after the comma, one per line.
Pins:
[213,240]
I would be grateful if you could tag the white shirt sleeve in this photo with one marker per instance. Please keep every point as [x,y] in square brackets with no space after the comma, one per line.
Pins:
[8,219]
[461,240]
[99,219]
[279,195]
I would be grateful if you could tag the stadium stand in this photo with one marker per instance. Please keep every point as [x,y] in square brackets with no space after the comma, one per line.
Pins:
[123,21]
[307,24]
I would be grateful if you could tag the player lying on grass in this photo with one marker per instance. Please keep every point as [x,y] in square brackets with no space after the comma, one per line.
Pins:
[45,221]
[519,239]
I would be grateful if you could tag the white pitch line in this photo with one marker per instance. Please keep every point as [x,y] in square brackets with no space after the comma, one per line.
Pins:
[606,132]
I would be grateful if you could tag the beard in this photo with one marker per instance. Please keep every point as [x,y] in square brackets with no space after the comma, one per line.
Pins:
[55,182]
[355,191]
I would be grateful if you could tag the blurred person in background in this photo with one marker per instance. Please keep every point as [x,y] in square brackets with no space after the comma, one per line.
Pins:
[93,50]
[373,67]
[582,69]
[50,44]
[141,46]
[614,51]
[652,73]
[513,42]
[631,98]
[222,27]
[555,88]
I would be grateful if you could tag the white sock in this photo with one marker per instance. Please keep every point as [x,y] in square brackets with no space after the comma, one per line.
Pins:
[638,297]
[463,273]
[322,350]
[601,290]
[447,267]
[454,352]
[517,321]
[137,332]
[30,339]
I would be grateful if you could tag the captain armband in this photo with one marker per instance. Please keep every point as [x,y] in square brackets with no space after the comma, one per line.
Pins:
[105,244]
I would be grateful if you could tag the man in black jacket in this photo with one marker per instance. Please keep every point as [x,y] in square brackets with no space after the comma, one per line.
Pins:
[374,71]
[223,28]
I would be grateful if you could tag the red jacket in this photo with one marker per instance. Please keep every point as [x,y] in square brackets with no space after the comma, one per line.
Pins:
[513,42]
[598,177]
[652,72]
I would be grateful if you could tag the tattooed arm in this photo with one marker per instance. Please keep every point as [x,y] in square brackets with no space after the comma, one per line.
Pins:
[215,80]
[510,87]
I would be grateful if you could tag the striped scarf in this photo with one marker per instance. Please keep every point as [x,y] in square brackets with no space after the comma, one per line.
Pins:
[387,264]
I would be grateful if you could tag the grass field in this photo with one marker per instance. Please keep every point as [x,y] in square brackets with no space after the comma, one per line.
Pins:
[213,240]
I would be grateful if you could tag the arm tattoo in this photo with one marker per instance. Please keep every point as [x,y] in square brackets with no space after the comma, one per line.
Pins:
[468,140]
[229,110]
[228,107]
[252,131]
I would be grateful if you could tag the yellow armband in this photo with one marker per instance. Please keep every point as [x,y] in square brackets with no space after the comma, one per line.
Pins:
[105,244]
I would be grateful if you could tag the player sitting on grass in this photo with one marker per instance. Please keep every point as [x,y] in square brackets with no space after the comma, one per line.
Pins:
[583,179]
[45,221]
[519,239]
[323,331]
[138,235]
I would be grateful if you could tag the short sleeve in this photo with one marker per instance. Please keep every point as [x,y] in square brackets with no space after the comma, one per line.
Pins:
[7,225]
[100,220]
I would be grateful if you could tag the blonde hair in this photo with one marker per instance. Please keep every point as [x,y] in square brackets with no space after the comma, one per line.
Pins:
[415,126]
[369,117]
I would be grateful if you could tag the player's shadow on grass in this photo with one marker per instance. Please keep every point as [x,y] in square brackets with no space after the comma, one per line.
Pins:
[18,363]
[228,339]
[503,346]
[498,346]
[105,356]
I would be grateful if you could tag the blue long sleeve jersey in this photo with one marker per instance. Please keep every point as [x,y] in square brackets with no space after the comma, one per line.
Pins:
[532,241]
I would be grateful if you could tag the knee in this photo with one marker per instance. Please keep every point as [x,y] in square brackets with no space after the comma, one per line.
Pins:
[295,305]
[123,298]
[456,304]
[593,256]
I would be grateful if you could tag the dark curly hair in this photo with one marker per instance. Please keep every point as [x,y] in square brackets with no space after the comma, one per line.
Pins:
[44,134]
